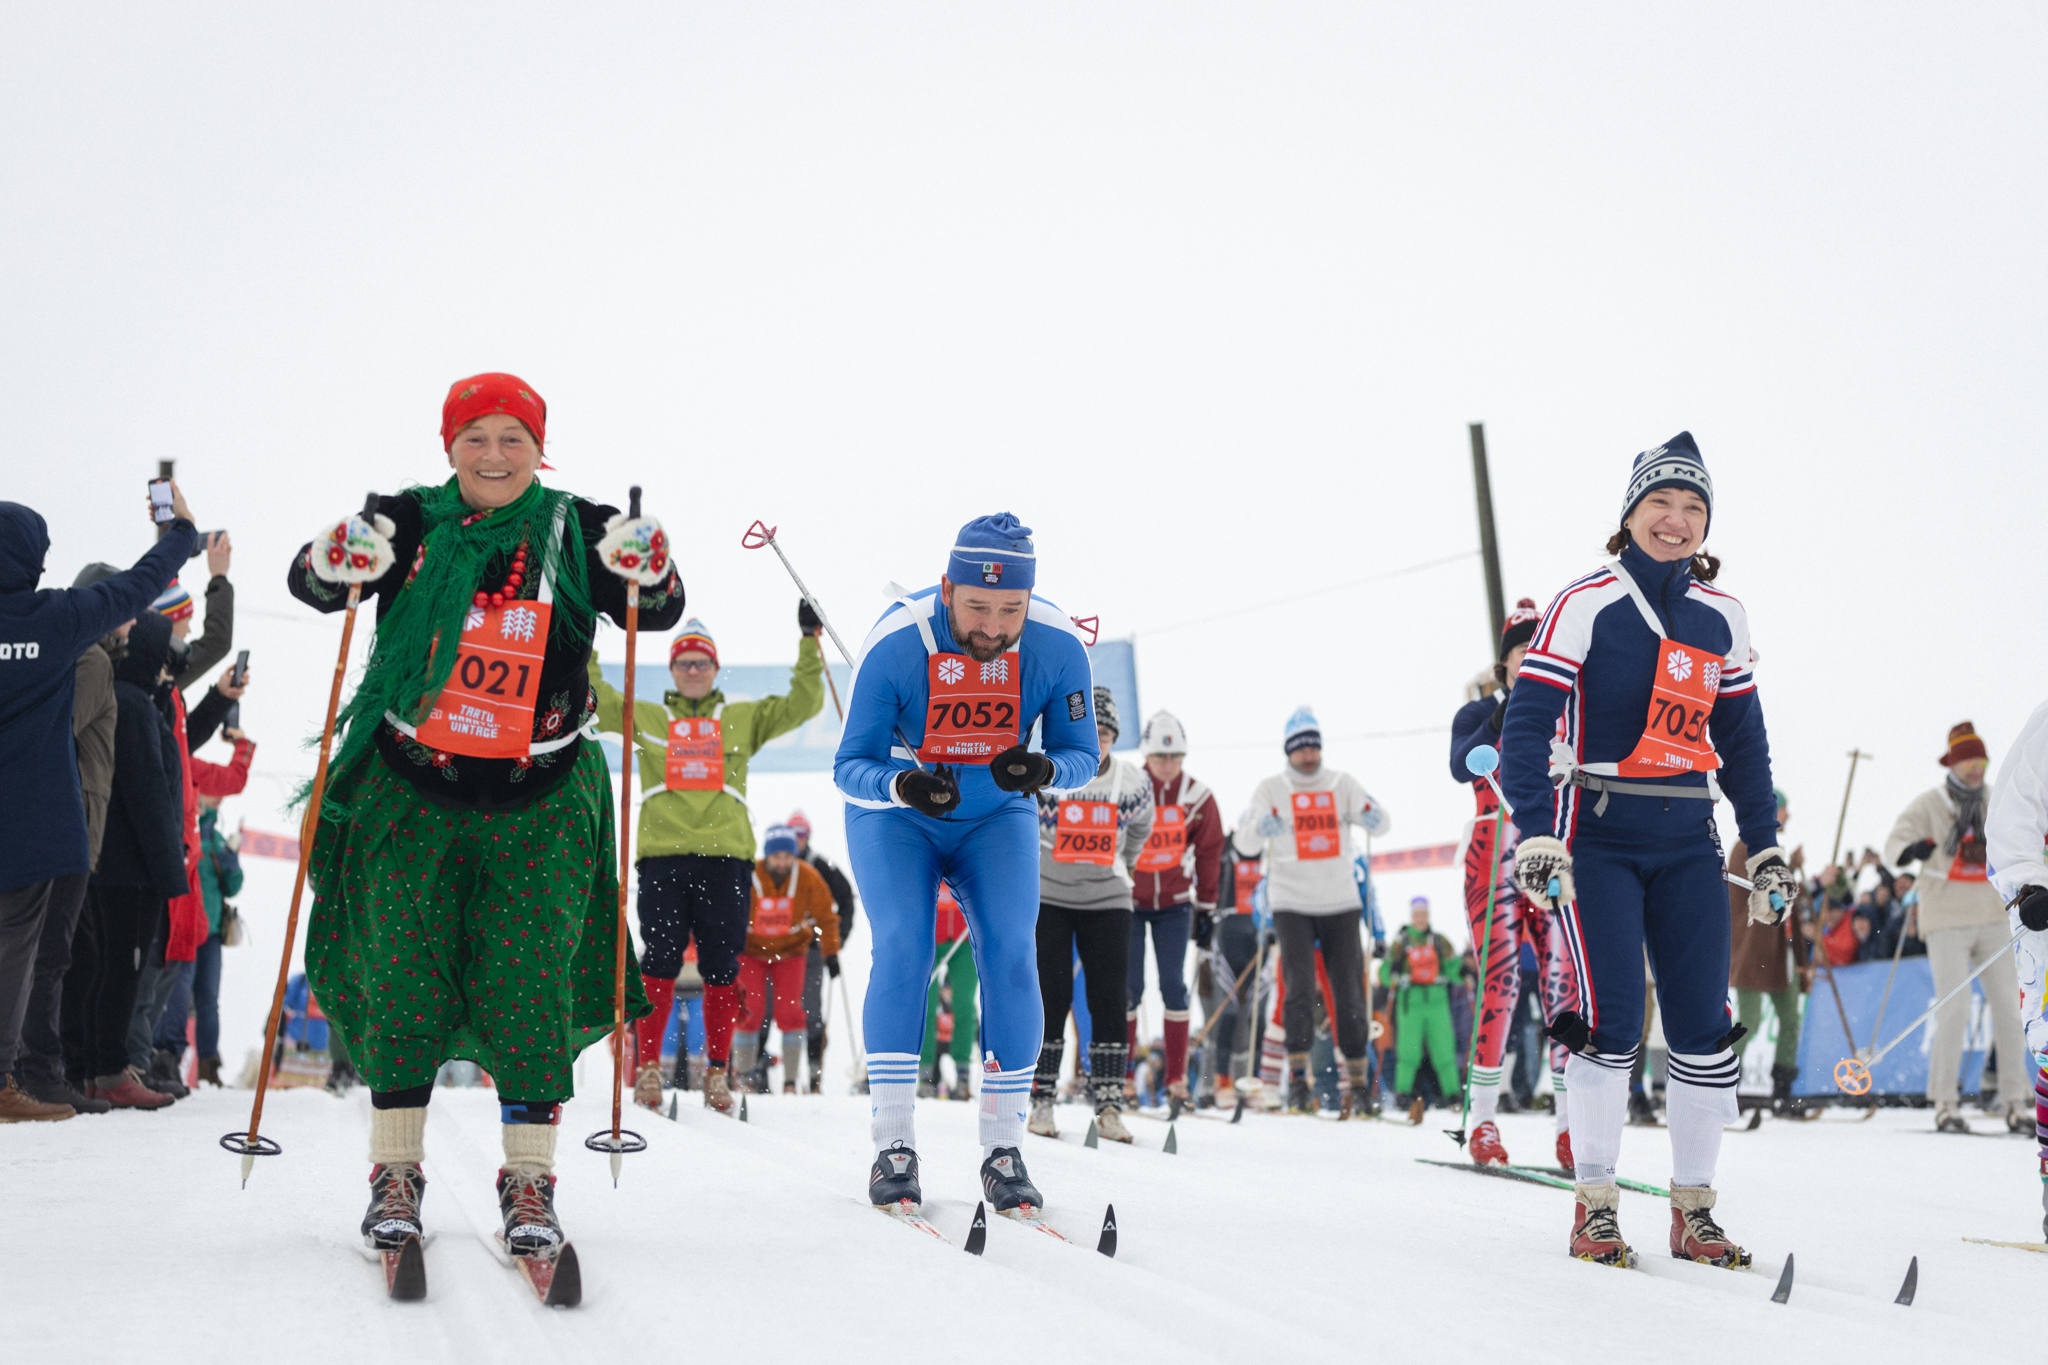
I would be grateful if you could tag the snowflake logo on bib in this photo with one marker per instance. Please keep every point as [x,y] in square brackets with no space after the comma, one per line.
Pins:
[1678,664]
[997,671]
[518,624]
[1710,676]
[951,670]
[474,619]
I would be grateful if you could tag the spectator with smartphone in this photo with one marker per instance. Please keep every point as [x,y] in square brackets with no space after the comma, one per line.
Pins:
[42,635]
[217,635]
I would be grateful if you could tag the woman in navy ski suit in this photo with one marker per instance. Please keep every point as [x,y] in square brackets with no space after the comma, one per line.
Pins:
[1645,715]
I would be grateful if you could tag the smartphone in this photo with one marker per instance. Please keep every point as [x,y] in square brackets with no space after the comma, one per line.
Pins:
[160,501]
[233,719]
[240,673]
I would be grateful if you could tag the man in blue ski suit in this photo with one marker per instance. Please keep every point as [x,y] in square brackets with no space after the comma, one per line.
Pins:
[960,671]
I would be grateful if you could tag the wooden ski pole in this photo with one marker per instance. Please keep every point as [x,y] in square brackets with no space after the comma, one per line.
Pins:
[620,1140]
[251,1144]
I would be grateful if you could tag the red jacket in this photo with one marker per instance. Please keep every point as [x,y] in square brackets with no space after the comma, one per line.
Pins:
[188,912]
[1197,831]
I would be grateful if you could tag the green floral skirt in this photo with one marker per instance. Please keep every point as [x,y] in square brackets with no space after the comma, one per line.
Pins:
[441,933]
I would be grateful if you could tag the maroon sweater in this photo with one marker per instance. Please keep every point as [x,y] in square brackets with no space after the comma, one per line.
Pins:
[1199,827]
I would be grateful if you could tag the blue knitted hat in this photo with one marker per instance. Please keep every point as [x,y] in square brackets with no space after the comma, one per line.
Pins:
[779,839]
[993,552]
[1675,464]
[1302,730]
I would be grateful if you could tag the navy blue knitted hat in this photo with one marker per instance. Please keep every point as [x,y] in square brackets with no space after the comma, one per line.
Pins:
[1675,464]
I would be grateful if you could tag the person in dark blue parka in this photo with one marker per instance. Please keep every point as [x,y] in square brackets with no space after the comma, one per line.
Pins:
[42,813]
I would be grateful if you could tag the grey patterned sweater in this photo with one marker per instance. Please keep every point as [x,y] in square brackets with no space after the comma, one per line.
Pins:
[1070,827]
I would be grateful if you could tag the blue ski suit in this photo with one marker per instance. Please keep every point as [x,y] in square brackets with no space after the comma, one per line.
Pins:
[987,851]
[1647,868]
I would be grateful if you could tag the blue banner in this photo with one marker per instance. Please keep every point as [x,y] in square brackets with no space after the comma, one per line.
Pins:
[1903,1070]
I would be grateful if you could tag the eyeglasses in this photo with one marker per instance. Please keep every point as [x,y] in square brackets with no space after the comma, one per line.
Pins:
[694,666]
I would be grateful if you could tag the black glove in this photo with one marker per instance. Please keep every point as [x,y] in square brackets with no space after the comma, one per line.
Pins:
[2033,907]
[1915,852]
[1205,929]
[1018,769]
[933,793]
[807,620]
[832,964]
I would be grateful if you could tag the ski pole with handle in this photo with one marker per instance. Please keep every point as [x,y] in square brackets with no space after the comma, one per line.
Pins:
[621,1140]
[1480,763]
[1852,1074]
[250,1144]
[760,534]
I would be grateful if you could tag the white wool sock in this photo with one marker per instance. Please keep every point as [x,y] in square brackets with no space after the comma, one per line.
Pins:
[1699,1101]
[1485,1089]
[1598,1083]
[892,1095]
[530,1147]
[1005,1100]
[1559,1096]
[398,1135]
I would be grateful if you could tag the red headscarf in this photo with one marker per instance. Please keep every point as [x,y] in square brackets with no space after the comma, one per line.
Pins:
[481,394]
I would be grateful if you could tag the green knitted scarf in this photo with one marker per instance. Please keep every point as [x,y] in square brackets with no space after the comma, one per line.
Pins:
[407,670]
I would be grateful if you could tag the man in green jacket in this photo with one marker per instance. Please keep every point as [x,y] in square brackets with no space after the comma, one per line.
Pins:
[1420,966]
[695,844]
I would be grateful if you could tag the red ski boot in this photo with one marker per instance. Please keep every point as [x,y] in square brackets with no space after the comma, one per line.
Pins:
[1564,1150]
[1484,1145]
[1596,1232]
[1695,1236]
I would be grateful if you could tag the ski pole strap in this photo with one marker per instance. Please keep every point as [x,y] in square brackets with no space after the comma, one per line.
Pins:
[1605,785]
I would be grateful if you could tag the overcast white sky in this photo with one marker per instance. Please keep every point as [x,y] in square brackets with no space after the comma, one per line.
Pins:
[1206,294]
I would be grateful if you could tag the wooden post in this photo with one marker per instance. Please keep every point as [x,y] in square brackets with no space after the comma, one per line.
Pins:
[1489,547]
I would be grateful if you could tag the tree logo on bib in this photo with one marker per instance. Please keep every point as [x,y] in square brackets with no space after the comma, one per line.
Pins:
[519,623]
[996,671]
[951,670]
[1710,676]
[1678,664]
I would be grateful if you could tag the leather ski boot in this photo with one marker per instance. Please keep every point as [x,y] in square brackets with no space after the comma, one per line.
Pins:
[394,1215]
[1596,1231]
[1695,1236]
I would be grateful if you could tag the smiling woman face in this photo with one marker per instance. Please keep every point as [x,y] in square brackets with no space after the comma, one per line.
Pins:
[1669,524]
[494,459]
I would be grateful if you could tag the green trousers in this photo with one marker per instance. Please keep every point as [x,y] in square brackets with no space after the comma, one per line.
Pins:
[959,974]
[1749,1012]
[1422,1017]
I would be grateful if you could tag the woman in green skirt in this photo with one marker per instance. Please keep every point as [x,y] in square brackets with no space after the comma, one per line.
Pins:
[464,863]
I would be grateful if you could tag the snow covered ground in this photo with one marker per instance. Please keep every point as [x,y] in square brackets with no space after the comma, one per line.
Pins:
[1277,1237]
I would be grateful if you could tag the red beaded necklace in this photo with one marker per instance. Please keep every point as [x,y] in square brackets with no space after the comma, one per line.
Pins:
[513,579]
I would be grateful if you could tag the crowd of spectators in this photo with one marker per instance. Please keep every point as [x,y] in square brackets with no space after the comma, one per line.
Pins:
[113,911]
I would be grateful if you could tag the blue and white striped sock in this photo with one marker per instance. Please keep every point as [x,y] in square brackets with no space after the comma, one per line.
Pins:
[892,1094]
[1005,1100]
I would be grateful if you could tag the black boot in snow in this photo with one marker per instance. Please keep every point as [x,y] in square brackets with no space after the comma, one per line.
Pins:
[1782,1103]
[394,1215]
[893,1178]
[527,1201]
[1005,1183]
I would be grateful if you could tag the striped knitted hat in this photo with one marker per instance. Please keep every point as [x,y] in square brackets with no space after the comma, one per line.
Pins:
[174,602]
[1675,464]
[694,639]
[1302,731]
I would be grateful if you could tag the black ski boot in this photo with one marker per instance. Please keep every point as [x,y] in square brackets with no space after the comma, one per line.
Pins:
[1641,1113]
[893,1178]
[1006,1185]
[1299,1098]
[394,1215]
[528,1203]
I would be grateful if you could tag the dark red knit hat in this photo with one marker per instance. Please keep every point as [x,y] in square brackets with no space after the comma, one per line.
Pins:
[1520,627]
[482,394]
[1963,745]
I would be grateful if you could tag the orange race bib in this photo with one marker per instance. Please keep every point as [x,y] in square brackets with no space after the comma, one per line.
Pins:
[1675,738]
[1315,826]
[1969,864]
[1423,965]
[1246,876]
[1085,832]
[774,914]
[973,713]
[486,708]
[696,755]
[1168,840]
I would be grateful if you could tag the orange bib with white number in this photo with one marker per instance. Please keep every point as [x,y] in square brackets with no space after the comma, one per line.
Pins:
[696,755]
[1086,833]
[1316,834]
[1423,965]
[486,708]
[1168,840]
[1675,738]
[973,709]
[1969,864]
[1246,876]
[773,915]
